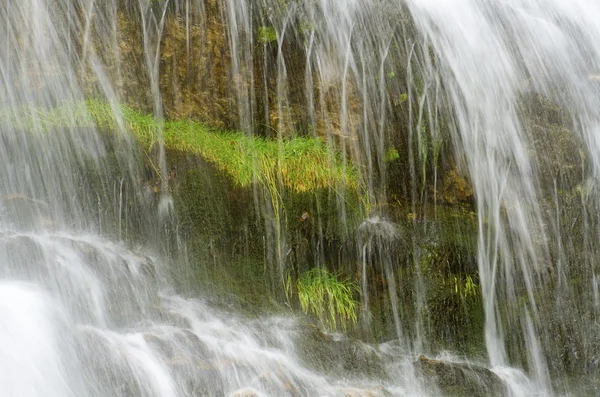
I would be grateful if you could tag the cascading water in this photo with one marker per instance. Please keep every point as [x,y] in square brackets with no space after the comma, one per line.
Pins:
[514,85]
[493,57]
[83,315]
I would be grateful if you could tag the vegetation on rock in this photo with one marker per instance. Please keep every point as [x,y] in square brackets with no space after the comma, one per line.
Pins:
[330,299]
[301,164]
[266,34]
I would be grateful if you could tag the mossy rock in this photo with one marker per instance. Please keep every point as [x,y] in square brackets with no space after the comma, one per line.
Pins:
[447,237]
[559,153]
[460,379]
[339,357]
[203,204]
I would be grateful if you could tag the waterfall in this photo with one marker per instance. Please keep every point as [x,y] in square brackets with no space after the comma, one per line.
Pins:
[497,97]
[83,313]
[493,57]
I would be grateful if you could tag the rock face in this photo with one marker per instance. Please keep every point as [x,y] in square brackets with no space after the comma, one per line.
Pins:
[460,379]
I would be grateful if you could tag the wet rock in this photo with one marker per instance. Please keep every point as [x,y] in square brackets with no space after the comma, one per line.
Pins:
[160,344]
[147,269]
[339,357]
[460,379]
[372,392]
[26,212]
[22,257]
[245,392]
[106,370]
[199,378]
[179,346]
[280,383]
[172,318]
[194,344]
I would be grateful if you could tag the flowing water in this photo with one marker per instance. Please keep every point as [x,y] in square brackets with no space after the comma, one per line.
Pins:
[492,55]
[84,314]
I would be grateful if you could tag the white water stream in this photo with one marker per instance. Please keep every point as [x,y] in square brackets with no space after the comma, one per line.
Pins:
[491,55]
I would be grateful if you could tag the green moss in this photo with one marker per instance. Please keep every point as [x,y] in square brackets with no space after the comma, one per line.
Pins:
[266,34]
[391,154]
[299,164]
[203,200]
[448,263]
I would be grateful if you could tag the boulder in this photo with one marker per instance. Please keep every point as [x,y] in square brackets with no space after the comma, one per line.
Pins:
[339,356]
[460,379]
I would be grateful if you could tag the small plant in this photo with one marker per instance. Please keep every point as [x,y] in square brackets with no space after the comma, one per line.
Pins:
[467,288]
[266,34]
[391,154]
[324,295]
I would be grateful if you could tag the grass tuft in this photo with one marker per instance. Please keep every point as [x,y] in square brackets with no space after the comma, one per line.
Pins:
[324,295]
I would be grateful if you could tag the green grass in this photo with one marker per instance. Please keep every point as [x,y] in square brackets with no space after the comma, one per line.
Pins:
[330,299]
[300,164]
